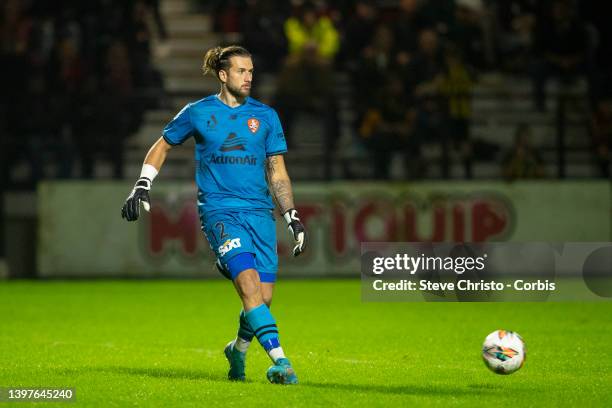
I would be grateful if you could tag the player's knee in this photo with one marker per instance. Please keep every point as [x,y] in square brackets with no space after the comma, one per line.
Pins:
[249,288]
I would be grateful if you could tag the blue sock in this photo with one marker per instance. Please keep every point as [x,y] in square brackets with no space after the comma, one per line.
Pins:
[263,326]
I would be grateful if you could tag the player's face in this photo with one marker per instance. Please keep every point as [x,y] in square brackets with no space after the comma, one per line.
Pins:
[240,76]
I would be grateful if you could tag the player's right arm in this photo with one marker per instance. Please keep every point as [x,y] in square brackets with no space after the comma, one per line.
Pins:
[156,156]
[153,162]
[175,133]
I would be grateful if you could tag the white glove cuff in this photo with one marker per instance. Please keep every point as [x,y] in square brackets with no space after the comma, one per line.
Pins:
[148,171]
[290,215]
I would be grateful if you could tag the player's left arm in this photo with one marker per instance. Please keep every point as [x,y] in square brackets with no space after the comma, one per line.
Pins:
[280,186]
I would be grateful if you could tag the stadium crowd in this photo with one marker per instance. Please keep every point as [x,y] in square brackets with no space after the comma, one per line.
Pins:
[414,63]
[78,75]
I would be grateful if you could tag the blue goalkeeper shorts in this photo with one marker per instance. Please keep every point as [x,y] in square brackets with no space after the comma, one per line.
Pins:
[231,233]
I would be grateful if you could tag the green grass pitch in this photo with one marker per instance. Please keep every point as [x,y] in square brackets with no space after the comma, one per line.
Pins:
[159,343]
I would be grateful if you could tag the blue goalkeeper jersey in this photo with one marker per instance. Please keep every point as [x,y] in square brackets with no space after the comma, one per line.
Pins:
[231,148]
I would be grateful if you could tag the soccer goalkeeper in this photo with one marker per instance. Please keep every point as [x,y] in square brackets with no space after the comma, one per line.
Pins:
[235,136]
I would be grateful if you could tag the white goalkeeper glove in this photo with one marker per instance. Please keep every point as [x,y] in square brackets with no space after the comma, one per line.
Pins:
[295,226]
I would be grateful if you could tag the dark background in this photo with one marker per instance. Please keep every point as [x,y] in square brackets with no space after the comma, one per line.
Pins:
[385,90]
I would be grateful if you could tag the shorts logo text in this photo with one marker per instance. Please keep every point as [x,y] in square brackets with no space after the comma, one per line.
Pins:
[229,245]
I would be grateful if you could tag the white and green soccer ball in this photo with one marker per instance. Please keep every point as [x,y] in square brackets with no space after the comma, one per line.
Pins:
[504,352]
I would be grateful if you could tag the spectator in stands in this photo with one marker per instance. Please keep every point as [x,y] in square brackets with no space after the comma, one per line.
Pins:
[438,14]
[424,72]
[306,86]
[55,71]
[466,31]
[409,22]
[69,67]
[226,14]
[387,128]
[311,33]
[376,60]
[305,83]
[516,21]
[35,125]
[139,39]
[424,77]
[522,161]
[358,33]
[601,129]
[108,112]
[262,25]
[600,32]
[14,38]
[561,46]
[456,85]
[116,111]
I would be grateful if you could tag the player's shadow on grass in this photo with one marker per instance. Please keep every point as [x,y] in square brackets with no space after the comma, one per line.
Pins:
[155,372]
[408,389]
[176,373]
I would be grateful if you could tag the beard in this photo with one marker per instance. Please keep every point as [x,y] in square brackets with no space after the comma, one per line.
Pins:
[238,92]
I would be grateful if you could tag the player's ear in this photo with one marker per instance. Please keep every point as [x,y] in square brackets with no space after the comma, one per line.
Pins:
[223,75]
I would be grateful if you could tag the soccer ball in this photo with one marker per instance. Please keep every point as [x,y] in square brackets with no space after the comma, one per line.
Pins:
[504,352]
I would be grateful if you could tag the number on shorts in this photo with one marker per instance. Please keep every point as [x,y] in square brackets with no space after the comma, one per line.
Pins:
[221,226]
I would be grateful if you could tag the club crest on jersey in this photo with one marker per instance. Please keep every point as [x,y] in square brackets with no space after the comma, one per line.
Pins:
[253,125]
[228,246]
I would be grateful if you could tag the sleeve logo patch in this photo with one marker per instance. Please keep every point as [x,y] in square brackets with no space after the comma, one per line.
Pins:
[253,125]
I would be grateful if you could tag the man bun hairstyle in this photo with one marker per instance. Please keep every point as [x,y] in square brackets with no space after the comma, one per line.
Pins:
[218,58]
